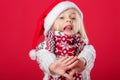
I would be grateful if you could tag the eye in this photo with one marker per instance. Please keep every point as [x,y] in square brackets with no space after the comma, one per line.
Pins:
[73,18]
[61,17]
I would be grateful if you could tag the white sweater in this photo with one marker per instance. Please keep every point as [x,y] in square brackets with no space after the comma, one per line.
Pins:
[45,58]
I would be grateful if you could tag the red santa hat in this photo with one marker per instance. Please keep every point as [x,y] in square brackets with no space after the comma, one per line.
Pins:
[48,17]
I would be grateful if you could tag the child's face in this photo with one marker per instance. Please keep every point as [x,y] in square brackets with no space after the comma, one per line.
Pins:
[66,22]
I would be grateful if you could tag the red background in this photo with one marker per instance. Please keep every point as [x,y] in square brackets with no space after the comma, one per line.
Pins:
[18,20]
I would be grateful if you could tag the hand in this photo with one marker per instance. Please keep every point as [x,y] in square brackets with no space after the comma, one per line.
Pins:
[64,64]
[60,67]
[78,65]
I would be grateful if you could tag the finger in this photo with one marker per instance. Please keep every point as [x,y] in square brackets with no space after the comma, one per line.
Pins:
[63,58]
[67,76]
[68,59]
[73,64]
[59,57]
[71,61]
[72,72]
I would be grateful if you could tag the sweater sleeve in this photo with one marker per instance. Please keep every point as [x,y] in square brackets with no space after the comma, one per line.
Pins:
[89,54]
[44,58]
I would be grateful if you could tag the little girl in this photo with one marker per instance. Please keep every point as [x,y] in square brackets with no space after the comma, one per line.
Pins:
[64,35]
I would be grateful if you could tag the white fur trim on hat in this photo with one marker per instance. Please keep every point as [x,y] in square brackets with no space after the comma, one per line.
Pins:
[55,12]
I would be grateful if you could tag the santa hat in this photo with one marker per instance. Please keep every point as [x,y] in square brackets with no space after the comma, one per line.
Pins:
[48,17]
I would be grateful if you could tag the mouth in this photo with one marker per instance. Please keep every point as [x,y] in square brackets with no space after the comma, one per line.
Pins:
[68,28]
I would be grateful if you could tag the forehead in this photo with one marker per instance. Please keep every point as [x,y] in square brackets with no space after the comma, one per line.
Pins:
[71,11]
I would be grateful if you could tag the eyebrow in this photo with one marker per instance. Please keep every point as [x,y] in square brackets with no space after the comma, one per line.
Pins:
[73,13]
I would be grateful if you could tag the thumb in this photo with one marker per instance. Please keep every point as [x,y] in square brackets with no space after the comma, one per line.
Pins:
[72,72]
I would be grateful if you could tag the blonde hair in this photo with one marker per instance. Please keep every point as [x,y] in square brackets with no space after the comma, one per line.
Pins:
[80,28]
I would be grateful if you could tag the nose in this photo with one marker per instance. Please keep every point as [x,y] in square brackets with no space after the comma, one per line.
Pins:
[68,20]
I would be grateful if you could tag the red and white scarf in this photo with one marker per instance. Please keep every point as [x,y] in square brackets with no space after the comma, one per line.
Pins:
[62,44]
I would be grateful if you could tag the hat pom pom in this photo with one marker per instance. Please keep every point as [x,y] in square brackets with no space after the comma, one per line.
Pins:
[32,54]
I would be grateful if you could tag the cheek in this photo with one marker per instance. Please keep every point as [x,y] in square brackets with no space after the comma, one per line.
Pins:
[57,26]
[60,25]
[75,27]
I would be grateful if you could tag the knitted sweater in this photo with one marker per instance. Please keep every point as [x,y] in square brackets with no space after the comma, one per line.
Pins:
[46,53]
